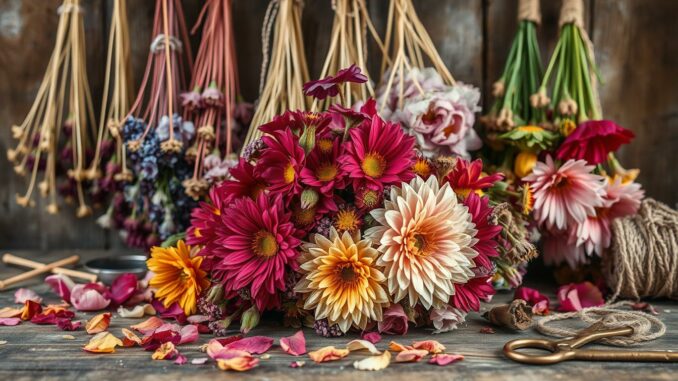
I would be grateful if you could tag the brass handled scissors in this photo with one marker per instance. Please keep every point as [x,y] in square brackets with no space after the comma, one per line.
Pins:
[568,349]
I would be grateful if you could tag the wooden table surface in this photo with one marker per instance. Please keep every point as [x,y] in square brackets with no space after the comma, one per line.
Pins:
[40,352]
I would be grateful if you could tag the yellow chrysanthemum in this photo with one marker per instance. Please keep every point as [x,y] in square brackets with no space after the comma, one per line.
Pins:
[341,280]
[176,276]
[426,239]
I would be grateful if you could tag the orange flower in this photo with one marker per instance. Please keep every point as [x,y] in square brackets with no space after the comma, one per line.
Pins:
[177,277]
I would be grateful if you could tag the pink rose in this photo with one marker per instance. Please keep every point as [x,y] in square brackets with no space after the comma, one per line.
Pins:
[446,319]
[394,321]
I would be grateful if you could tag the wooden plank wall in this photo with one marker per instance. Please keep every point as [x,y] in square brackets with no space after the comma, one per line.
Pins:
[634,40]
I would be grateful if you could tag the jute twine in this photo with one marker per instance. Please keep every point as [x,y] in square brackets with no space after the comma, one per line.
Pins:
[645,326]
[572,11]
[529,10]
[643,261]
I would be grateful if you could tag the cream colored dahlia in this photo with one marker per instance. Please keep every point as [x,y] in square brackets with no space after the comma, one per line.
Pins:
[341,280]
[426,239]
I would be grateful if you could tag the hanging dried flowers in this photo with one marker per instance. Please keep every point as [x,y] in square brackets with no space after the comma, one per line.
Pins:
[57,137]
[211,102]
[281,87]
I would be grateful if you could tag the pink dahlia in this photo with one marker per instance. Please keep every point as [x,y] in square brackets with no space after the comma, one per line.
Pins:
[622,199]
[329,86]
[486,244]
[281,162]
[258,243]
[245,183]
[561,247]
[593,140]
[467,296]
[467,177]
[322,170]
[564,194]
[379,153]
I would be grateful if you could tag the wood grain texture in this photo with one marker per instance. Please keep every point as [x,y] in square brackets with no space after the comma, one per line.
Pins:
[638,61]
[40,351]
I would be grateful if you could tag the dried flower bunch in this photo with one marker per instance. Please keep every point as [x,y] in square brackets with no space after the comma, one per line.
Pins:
[153,205]
[280,88]
[56,140]
[212,102]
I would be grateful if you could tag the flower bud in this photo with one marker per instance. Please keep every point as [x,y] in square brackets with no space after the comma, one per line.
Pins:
[309,198]
[524,162]
[249,320]
[215,295]
[307,139]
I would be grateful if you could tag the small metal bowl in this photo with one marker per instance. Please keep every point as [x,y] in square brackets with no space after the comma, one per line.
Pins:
[109,268]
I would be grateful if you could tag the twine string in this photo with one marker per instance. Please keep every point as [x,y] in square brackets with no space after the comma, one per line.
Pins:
[529,10]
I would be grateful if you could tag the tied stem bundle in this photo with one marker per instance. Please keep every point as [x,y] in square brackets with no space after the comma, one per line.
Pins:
[211,103]
[574,94]
[348,46]
[407,43]
[59,129]
[117,95]
[287,71]
[520,78]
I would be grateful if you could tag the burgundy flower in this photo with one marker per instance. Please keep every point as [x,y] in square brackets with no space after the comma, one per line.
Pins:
[297,122]
[212,96]
[575,297]
[593,140]
[486,245]
[329,86]
[538,301]
[467,296]
[394,322]
[281,163]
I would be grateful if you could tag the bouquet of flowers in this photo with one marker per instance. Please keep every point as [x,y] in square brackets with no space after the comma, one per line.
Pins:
[337,220]
[566,169]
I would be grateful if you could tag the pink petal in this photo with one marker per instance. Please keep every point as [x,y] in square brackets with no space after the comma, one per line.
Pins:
[575,297]
[189,334]
[197,319]
[216,350]
[253,345]
[85,298]
[123,287]
[294,345]
[174,311]
[181,360]
[443,359]
[372,337]
[61,285]
[199,361]
[23,294]
[10,321]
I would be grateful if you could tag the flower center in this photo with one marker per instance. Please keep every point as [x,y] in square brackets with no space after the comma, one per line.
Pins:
[303,217]
[326,171]
[422,168]
[256,190]
[347,220]
[264,244]
[370,198]
[289,174]
[418,244]
[430,117]
[325,145]
[455,127]
[373,165]
[530,129]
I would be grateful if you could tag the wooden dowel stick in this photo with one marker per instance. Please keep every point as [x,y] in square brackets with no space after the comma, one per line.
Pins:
[30,274]
[14,260]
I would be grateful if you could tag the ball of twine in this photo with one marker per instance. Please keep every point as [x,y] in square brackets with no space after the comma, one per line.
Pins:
[643,260]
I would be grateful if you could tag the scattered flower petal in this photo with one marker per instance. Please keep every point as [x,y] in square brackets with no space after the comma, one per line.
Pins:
[644,306]
[123,287]
[297,364]
[294,345]
[431,346]
[357,345]
[199,361]
[166,351]
[61,285]
[411,355]
[89,297]
[539,302]
[174,311]
[253,345]
[10,321]
[138,311]
[23,294]
[181,360]
[30,309]
[397,347]
[130,339]
[9,312]
[197,319]
[103,342]
[372,337]
[68,337]
[374,362]
[575,297]
[148,326]
[3,342]
[443,359]
[154,340]
[239,364]
[189,334]
[98,323]
[488,330]
[218,351]
[67,324]
[328,354]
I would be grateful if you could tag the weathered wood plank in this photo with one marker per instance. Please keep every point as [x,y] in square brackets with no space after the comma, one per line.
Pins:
[40,351]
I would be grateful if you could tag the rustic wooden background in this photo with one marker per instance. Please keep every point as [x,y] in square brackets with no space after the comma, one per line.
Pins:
[635,46]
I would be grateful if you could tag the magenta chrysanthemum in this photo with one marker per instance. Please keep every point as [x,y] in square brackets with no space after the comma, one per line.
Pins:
[564,194]
[258,243]
[486,245]
[379,153]
[245,183]
[322,170]
[467,296]
[467,177]
[281,162]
